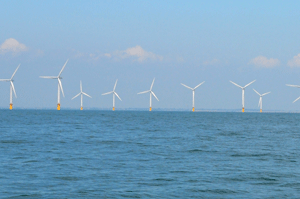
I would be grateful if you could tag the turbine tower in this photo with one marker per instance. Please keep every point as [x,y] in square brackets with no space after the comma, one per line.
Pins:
[59,87]
[81,93]
[193,89]
[296,87]
[12,88]
[260,99]
[151,93]
[114,94]
[243,93]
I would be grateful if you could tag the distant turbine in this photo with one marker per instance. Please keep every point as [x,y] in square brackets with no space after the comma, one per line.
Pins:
[296,87]
[81,93]
[260,99]
[12,88]
[114,94]
[151,93]
[243,93]
[193,89]
[60,88]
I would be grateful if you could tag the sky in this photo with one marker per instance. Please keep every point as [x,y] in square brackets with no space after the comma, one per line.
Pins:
[136,41]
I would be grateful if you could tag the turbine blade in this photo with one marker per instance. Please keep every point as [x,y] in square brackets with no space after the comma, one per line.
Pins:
[249,83]
[80,86]
[86,94]
[117,95]
[63,68]
[143,92]
[48,77]
[293,85]
[199,85]
[152,84]
[15,72]
[4,80]
[265,94]
[186,86]
[296,100]
[61,88]
[13,87]
[76,96]
[256,92]
[154,95]
[236,84]
[107,93]
[115,85]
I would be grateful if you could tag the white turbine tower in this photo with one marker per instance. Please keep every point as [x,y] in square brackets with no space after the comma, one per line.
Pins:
[193,89]
[60,88]
[243,93]
[81,93]
[260,99]
[114,94]
[296,87]
[151,93]
[12,88]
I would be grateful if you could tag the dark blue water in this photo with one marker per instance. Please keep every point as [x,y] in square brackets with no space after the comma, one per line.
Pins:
[103,154]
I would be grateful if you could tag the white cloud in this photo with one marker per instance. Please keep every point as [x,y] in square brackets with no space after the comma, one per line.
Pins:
[12,45]
[138,52]
[262,61]
[211,62]
[295,62]
[107,55]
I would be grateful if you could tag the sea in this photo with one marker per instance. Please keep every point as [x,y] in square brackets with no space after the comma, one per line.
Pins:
[141,154]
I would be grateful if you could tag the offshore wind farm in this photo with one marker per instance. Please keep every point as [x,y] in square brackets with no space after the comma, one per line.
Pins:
[149,99]
[114,93]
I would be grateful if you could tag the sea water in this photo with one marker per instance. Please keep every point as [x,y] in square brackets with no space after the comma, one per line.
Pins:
[136,154]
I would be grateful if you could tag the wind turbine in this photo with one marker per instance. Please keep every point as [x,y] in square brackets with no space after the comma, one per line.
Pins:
[59,87]
[81,93]
[114,94]
[260,98]
[243,93]
[12,88]
[296,87]
[151,93]
[193,89]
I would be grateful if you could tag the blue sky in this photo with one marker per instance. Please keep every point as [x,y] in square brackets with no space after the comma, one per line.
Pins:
[135,41]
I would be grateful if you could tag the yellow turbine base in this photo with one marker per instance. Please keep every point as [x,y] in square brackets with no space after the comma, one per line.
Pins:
[81,108]
[150,109]
[243,110]
[58,107]
[113,108]
[193,109]
[260,110]
[10,106]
